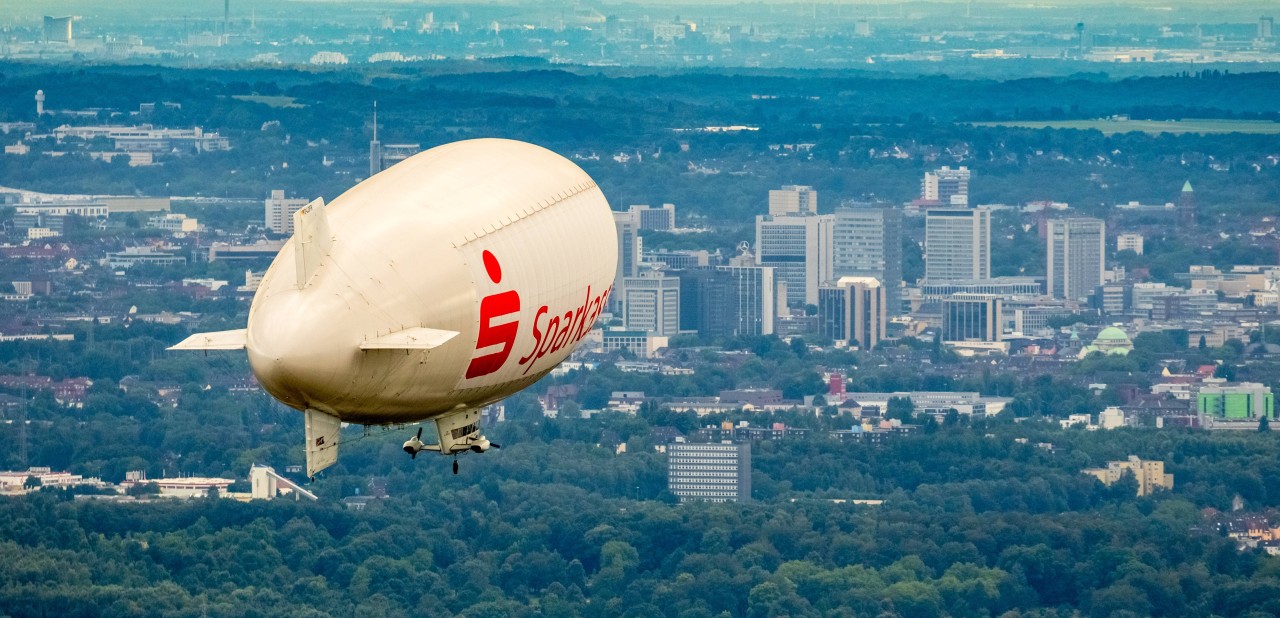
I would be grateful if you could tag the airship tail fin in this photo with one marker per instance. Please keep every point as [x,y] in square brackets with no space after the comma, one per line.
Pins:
[312,239]
[417,338]
[219,340]
[322,440]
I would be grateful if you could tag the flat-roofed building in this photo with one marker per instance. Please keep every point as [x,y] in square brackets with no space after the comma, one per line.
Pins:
[946,186]
[727,301]
[793,200]
[709,472]
[867,242]
[1075,257]
[972,317]
[279,212]
[853,311]
[660,218]
[1149,474]
[1129,241]
[957,244]
[1247,401]
[798,248]
[651,303]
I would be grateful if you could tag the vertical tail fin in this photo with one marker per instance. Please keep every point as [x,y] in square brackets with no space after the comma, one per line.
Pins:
[312,238]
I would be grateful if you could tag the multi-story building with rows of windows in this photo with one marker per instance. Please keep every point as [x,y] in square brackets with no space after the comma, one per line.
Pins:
[709,472]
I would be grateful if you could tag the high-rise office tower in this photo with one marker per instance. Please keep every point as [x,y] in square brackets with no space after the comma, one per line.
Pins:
[867,242]
[793,200]
[651,303]
[629,244]
[630,249]
[853,310]
[957,244]
[946,186]
[799,251]
[972,317]
[1266,27]
[1076,254]
[58,29]
[709,472]
[279,212]
[727,301]
[661,218]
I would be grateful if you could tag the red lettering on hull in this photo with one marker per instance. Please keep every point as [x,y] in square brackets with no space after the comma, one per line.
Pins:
[560,331]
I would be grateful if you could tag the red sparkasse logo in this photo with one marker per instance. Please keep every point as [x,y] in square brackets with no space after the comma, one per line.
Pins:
[491,334]
[549,334]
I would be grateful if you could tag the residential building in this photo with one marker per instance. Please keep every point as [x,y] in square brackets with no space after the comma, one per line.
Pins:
[709,472]
[793,200]
[1075,257]
[799,251]
[972,317]
[279,212]
[853,311]
[867,242]
[1129,241]
[957,244]
[1149,474]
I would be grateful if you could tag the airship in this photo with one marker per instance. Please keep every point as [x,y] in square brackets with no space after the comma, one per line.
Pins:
[436,287]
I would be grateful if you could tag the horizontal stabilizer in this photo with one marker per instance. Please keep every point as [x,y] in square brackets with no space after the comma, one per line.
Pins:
[312,240]
[417,338]
[220,340]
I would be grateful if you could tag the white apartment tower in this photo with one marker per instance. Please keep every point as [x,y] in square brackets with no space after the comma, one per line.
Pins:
[709,472]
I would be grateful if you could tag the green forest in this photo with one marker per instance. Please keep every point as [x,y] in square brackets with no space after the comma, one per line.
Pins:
[974,523]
